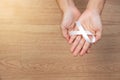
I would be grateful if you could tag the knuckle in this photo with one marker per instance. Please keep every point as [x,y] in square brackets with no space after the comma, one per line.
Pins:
[73,37]
[77,39]
[80,43]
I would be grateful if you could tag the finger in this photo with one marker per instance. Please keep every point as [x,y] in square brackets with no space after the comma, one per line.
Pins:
[75,43]
[72,38]
[98,35]
[85,48]
[79,47]
[65,34]
[88,50]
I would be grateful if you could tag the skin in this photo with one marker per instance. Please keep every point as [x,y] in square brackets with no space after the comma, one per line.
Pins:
[70,15]
[90,19]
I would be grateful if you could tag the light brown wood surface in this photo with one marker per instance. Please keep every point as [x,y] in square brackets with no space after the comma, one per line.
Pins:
[32,47]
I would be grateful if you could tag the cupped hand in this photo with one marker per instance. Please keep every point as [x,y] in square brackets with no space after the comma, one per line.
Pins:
[69,17]
[91,21]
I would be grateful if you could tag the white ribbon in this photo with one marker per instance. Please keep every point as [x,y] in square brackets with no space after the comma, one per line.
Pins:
[84,33]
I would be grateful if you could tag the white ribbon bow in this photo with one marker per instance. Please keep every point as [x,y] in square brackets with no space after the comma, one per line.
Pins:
[84,33]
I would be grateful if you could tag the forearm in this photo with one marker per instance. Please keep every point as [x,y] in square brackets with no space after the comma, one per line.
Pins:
[96,5]
[65,4]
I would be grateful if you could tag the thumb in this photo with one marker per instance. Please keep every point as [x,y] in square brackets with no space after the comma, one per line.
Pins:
[98,35]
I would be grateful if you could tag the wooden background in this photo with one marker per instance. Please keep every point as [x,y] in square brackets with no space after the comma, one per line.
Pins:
[32,47]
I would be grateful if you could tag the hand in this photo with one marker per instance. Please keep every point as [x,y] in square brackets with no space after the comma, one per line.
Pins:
[91,21]
[69,17]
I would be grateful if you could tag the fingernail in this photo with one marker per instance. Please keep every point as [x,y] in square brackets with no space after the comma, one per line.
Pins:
[74,55]
[81,54]
[69,42]
[71,50]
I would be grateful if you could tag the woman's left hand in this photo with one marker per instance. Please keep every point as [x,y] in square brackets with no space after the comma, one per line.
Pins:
[91,21]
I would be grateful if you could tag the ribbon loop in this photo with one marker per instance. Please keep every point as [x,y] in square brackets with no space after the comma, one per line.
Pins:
[84,33]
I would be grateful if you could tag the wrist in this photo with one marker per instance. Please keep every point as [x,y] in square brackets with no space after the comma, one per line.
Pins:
[94,10]
[68,8]
[96,5]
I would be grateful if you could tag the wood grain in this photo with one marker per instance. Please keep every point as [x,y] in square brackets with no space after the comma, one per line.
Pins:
[32,47]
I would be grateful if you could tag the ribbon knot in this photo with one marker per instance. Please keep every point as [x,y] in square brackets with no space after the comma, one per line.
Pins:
[85,34]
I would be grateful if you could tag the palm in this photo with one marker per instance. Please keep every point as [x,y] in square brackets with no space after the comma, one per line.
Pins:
[90,20]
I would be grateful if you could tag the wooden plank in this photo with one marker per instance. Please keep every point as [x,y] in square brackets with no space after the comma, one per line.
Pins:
[32,47]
